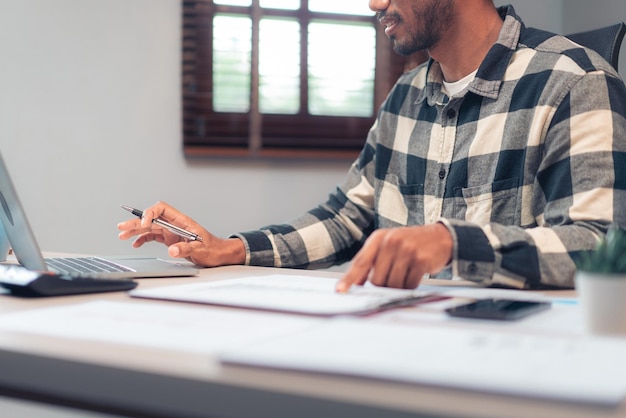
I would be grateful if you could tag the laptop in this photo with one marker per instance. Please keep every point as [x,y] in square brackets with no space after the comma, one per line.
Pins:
[17,234]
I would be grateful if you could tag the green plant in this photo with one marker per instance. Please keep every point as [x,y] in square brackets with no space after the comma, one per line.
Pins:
[609,255]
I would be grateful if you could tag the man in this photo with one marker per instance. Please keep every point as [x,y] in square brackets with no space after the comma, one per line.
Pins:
[495,162]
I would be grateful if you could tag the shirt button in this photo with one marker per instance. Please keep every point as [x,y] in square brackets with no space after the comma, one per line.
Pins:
[451,113]
[472,268]
[442,174]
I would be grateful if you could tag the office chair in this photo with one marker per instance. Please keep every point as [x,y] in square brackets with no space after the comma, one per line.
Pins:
[605,41]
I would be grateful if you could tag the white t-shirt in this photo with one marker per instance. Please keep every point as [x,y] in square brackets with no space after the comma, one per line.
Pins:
[452,89]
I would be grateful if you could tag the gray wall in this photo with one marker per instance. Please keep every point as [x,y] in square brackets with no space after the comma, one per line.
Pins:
[544,14]
[90,100]
[582,15]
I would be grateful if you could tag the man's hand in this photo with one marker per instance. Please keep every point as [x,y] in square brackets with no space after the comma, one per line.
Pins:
[400,257]
[210,252]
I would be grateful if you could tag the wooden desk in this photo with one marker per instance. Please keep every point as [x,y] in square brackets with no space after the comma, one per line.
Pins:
[150,382]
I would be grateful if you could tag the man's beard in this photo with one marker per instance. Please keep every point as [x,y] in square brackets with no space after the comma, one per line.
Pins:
[434,17]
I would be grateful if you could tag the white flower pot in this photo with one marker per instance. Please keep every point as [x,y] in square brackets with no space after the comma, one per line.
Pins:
[603,301]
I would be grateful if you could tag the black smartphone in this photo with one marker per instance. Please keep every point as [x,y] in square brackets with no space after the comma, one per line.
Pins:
[502,309]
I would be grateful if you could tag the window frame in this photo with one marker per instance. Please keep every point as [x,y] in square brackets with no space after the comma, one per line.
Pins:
[252,134]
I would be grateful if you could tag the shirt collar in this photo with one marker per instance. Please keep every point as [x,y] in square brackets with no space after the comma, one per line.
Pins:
[491,72]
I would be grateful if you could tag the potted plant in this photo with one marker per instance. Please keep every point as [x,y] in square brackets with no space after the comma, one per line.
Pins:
[601,284]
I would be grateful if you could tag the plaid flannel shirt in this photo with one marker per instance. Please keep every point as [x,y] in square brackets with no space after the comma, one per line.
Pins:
[522,168]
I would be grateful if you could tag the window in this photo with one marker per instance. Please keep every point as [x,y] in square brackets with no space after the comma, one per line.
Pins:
[282,77]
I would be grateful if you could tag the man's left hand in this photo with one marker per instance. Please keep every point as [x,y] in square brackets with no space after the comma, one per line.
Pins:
[400,257]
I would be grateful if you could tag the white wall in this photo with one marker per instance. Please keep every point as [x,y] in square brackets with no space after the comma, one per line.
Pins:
[89,98]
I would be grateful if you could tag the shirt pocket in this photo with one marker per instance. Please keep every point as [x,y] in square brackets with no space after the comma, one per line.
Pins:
[489,203]
[398,204]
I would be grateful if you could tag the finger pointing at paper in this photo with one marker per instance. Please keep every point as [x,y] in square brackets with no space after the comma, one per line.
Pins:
[400,257]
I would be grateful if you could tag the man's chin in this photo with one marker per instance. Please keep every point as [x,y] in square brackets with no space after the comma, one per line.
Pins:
[403,49]
[408,48]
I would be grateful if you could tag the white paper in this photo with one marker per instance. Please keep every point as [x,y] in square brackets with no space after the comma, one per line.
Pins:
[172,327]
[309,295]
[577,369]
[565,316]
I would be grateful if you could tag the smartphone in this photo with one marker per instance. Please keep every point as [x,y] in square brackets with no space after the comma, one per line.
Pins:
[502,309]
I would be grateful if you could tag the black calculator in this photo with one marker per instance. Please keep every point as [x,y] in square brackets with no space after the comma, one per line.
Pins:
[20,281]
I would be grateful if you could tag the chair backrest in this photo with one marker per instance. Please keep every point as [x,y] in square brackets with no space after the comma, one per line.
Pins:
[605,41]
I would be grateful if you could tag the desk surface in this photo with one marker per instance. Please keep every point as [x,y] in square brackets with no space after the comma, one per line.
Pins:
[143,381]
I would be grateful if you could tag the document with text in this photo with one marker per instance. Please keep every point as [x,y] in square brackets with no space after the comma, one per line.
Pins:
[193,329]
[499,361]
[288,293]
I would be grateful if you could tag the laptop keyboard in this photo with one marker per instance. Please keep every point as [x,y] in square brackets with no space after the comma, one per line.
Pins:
[72,265]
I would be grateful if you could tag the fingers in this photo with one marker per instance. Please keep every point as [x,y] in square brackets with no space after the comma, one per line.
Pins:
[399,257]
[397,275]
[414,277]
[408,262]
[130,229]
[147,237]
[162,211]
[135,226]
[181,249]
[196,252]
[211,251]
[362,263]
[374,262]
[185,249]
[159,210]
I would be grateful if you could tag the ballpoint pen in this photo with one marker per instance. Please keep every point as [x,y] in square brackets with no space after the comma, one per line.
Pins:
[172,228]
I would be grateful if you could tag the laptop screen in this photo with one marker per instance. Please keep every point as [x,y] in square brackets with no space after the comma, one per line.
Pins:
[4,244]
[16,229]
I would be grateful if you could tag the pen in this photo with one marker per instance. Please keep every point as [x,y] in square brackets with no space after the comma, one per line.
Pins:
[172,228]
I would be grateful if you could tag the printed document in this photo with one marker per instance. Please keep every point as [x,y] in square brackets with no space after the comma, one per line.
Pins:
[537,365]
[285,293]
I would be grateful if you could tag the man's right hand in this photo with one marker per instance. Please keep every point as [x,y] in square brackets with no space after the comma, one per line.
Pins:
[210,252]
